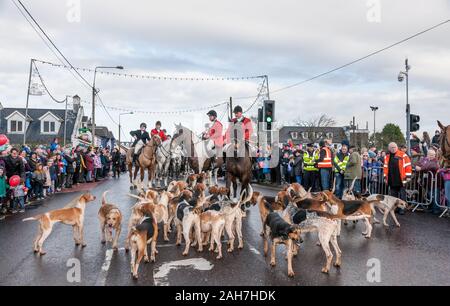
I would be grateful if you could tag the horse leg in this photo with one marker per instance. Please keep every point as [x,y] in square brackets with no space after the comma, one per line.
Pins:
[235,185]
[216,173]
[130,172]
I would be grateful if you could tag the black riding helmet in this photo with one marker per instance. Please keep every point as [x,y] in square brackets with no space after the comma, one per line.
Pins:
[212,113]
[237,109]
[143,125]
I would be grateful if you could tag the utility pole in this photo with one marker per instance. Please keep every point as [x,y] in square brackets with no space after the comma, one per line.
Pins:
[401,76]
[65,123]
[28,98]
[374,109]
[231,109]
[94,92]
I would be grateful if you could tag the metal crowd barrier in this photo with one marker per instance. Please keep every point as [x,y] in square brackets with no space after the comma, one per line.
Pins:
[372,181]
[440,199]
[420,190]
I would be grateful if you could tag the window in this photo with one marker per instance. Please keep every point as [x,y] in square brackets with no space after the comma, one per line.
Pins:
[16,126]
[294,135]
[49,127]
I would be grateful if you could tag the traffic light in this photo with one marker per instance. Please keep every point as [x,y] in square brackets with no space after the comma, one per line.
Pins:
[269,112]
[414,122]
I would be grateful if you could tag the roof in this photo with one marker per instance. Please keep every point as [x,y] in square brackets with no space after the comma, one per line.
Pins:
[102,131]
[34,129]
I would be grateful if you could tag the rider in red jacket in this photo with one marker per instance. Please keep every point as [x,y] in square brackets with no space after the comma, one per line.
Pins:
[157,131]
[239,118]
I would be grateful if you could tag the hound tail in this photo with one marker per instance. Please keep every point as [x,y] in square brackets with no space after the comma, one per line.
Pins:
[104,197]
[35,218]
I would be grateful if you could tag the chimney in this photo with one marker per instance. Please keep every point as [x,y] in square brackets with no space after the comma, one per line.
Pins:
[76,100]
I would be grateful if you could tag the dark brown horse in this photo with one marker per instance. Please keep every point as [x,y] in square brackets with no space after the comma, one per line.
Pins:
[238,166]
[445,141]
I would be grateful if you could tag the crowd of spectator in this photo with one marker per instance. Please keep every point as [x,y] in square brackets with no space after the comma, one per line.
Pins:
[46,170]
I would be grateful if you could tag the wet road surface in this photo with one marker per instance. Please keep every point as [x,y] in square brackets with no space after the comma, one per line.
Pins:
[418,253]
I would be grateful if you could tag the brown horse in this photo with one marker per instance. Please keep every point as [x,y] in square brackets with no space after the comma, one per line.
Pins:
[146,160]
[238,166]
[445,141]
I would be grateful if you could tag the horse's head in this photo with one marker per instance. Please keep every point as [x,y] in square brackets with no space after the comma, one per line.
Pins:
[155,140]
[444,139]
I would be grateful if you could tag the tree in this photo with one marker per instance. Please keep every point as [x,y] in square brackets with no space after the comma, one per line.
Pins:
[321,121]
[390,133]
[311,125]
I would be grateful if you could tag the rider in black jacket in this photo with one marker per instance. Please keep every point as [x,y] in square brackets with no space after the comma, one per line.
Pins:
[141,137]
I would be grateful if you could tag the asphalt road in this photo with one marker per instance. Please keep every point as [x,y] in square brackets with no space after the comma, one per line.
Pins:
[418,253]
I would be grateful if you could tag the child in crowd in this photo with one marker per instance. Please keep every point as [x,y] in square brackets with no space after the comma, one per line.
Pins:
[48,179]
[39,179]
[53,174]
[20,191]
[3,190]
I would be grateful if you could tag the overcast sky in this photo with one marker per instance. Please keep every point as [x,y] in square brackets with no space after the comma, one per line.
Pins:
[289,40]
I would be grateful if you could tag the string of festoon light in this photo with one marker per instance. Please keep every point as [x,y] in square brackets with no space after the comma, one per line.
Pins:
[155,77]
[148,112]
[182,111]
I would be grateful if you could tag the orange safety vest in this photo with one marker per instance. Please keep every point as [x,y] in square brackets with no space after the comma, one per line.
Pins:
[404,164]
[326,162]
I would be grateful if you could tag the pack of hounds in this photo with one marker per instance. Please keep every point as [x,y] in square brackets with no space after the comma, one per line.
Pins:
[202,215]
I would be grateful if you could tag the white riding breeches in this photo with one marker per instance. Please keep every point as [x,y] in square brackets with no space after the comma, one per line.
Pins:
[138,146]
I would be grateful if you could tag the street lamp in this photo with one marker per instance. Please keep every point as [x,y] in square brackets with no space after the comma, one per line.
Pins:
[129,113]
[94,92]
[374,109]
[401,76]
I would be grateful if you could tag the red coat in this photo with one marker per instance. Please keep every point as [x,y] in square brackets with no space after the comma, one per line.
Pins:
[247,126]
[215,133]
[160,133]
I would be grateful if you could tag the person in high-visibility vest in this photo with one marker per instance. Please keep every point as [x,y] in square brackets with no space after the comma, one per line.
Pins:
[397,171]
[340,161]
[310,170]
[325,165]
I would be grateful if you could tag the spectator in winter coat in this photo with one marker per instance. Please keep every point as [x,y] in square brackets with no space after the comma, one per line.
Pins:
[428,163]
[14,164]
[353,170]
[397,171]
[3,192]
[39,179]
[97,166]
[19,193]
[54,145]
[116,162]
[52,172]
[436,137]
[70,169]
[297,165]
[89,164]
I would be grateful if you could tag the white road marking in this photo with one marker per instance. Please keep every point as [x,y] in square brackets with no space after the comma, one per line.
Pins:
[160,274]
[253,249]
[101,279]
